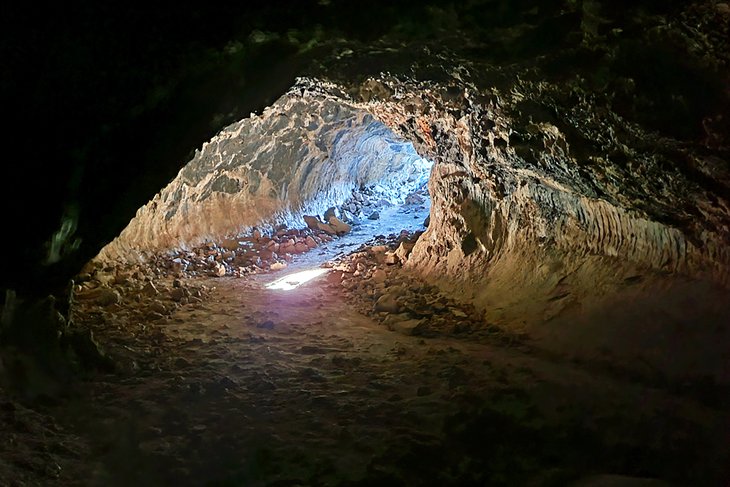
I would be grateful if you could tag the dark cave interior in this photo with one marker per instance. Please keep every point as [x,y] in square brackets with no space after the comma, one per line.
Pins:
[513,220]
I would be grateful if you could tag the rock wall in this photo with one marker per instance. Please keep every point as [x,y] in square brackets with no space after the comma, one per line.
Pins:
[518,203]
[302,155]
[537,205]
[560,219]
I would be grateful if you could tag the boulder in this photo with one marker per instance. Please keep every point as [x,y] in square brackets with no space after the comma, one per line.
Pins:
[329,229]
[339,226]
[312,221]
[414,199]
[230,244]
[348,217]
[331,212]
[374,216]
[107,297]
[286,246]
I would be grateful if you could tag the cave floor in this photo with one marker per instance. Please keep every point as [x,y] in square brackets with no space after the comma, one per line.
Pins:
[260,387]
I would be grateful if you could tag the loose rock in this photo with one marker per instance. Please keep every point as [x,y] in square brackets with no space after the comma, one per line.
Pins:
[403,251]
[339,226]
[312,222]
[379,275]
[387,303]
[230,244]
[150,290]
[106,297]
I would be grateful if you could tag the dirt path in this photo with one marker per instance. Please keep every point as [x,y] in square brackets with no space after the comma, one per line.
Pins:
[259,387]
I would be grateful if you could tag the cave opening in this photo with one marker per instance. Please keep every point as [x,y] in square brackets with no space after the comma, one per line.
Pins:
[305,183]
[400,267]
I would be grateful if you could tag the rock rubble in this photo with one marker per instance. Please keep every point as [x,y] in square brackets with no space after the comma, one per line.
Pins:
[376,282]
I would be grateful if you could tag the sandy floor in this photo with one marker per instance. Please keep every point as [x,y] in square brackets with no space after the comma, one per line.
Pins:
[259,387]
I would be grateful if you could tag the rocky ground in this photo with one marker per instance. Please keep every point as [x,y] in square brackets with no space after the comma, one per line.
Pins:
[363,376]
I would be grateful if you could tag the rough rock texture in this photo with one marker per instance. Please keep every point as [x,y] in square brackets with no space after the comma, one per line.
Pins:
[304,154]
[507,186]
[575,185]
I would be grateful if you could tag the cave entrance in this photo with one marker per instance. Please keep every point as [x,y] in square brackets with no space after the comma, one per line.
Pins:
[310,178]
[397,206]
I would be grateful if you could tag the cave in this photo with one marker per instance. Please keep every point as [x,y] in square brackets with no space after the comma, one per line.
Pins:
[420,243]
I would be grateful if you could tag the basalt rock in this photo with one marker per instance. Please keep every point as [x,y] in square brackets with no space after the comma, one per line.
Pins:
[319,150]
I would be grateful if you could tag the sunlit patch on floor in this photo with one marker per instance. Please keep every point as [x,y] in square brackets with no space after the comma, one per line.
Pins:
[292,281]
